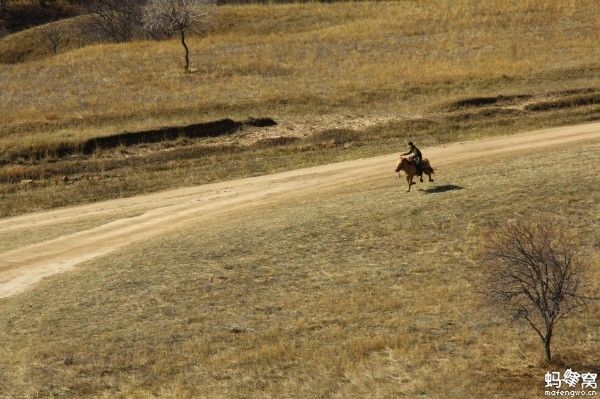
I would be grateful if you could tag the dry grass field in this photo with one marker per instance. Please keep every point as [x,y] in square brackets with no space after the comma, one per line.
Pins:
[361,291]
[124,171]
[367,294]
[375,72]
[358,59]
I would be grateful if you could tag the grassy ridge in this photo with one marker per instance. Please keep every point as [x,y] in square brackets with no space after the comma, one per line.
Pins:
[35,43]
[18,15]
[368,294]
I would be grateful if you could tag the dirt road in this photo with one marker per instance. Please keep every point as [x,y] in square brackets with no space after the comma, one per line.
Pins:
[162,212]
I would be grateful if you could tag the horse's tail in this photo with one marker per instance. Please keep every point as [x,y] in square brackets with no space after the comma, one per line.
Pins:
[428,165]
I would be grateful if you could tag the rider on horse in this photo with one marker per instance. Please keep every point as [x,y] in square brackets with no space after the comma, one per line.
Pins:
[415,154]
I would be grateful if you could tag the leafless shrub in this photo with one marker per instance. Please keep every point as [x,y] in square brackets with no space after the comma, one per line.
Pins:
[165,18]
[535,274]
[54,37]
[118,20]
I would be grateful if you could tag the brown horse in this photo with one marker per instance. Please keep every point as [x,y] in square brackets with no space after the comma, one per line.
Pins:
[409,167]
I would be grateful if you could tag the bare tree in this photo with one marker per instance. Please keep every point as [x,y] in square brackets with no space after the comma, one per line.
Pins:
[534,274]
[54,36]
[118,20]
[181,17]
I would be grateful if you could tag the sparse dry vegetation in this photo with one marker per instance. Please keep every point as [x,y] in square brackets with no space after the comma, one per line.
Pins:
[304,59]
[364,294]
[535,273]
[123,171]
[367,294]
[18,15]
[117,20]
[180,18]
[399,69]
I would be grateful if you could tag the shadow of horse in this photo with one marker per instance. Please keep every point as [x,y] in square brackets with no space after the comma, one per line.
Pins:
[441,189]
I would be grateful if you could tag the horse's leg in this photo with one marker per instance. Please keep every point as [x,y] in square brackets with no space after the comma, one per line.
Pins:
[427,169]
[413,172]
[409,180]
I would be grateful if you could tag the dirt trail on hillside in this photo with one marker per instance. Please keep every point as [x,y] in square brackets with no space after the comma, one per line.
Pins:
[166,211]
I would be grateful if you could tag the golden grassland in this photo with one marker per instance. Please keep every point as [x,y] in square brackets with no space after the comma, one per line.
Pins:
[139,169]
[368,294]
[406,63]
[302,59]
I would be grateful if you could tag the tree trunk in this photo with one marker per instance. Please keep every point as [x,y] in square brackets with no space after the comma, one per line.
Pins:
[547,350]
[187,51]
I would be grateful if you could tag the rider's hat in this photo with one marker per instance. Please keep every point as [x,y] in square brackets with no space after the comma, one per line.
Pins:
[410,143]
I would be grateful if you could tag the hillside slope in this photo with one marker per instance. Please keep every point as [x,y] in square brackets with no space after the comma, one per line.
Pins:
[160,213]
[47,40]
[303,59]
[18,15]
[345,286]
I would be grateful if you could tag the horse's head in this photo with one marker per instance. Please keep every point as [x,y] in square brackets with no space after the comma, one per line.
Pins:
[401,164]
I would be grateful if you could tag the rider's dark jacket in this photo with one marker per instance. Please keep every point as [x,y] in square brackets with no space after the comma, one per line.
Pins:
[416,153]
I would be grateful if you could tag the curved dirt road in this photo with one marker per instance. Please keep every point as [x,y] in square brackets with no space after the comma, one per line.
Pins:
[166,211]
